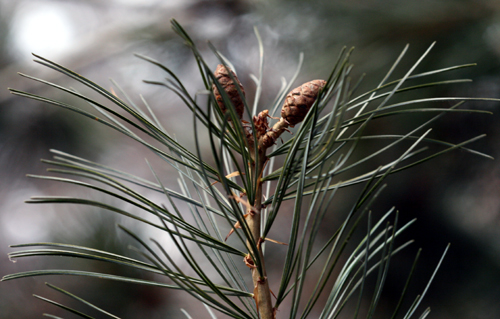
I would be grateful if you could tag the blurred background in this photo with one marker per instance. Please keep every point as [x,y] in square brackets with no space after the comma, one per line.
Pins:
[456,198]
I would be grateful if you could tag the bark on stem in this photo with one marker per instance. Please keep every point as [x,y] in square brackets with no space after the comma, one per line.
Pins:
[268,139]
[262,293]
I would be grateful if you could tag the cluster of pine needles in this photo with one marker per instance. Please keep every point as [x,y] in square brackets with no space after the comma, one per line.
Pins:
[254,167]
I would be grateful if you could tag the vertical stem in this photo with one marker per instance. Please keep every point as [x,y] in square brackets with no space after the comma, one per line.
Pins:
[262,293]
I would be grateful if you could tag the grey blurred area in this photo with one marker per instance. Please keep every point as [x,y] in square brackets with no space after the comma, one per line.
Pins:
[456,198]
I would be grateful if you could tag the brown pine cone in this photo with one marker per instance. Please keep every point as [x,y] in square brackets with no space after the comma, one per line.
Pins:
[229,86]
[299,101]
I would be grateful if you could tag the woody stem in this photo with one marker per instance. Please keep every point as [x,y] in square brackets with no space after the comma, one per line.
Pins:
[272,135]
[262,293]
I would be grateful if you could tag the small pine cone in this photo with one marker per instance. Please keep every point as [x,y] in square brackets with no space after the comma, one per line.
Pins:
[299,101]
[229,86]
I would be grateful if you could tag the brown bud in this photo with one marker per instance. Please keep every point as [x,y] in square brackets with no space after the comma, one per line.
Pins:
[222,75]
[261,124]
[299,101]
